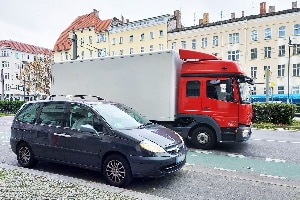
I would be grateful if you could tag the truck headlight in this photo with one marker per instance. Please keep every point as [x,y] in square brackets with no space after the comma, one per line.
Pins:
[151,146]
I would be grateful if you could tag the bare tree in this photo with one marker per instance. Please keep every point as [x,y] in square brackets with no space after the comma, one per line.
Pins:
[36,76]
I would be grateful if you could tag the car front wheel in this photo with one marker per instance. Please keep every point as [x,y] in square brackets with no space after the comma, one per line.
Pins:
[25,156]
[117,171]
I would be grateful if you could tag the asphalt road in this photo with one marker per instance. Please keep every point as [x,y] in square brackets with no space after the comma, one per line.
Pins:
[265,167]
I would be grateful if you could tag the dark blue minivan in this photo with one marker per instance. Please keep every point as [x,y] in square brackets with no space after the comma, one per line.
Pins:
[95,134]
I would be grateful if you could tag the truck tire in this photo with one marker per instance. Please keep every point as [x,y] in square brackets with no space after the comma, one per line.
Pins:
[203,138]
[25,156]
[117,171]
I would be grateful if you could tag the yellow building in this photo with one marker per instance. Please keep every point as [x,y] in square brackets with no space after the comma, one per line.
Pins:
[257,42]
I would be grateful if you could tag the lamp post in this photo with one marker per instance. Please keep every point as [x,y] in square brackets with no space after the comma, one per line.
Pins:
[289,63]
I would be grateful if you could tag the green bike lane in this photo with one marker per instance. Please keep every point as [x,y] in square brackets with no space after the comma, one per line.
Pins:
[274,168]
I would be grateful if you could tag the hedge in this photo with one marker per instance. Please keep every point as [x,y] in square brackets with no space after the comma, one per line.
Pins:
[276,113]
[10,107]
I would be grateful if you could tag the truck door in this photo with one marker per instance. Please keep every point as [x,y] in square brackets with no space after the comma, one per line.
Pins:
[217,104]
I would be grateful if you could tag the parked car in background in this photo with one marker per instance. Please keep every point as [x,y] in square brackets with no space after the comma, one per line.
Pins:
[95,134]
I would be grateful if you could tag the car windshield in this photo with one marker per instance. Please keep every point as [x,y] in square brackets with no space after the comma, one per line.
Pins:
[119,116]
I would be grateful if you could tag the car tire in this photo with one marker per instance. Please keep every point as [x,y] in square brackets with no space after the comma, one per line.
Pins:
[25,156]
[117,170]
[203,138]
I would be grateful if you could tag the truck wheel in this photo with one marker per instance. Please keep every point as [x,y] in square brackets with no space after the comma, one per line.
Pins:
[25,156]
[117,171]
[203,138]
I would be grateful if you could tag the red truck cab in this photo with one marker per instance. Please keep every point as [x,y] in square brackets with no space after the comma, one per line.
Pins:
[213,100]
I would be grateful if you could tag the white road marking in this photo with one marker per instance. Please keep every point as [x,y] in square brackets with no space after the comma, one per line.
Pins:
[227,170]
[271,176]
[236,156]
[204,152]
[274,160]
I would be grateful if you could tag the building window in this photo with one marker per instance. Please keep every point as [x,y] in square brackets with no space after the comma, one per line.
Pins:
[4,53]
[194,44]
[254,53]
[281,69]
[121,52]
[131,51]
[254,35]
[151,48]
[268,33]
[267,52]
[101,38]
[215,40]
[5,64]
[91,53]
[113,53]
[131,38]
[99,52]
[234,38]
[113,41]
[142,36]
[82,55]
[6,75]
[297,29]
[183,44]
[81,41]
[281,50]
[253,72]
[296,49]
[161,33]
[204,42]
[296,69]
[66,55]
[161,47]
[173,45]
[296,89]
[151,35]
[142,49]
[17,55]
[234,55]
[253,91]
[90,39]
[121,40]
[281,31]
[280,89]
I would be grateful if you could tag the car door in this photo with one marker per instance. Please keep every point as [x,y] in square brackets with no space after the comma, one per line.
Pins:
[49,128]
[81,147]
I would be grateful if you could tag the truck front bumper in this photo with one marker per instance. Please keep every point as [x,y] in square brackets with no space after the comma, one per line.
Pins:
[243,133]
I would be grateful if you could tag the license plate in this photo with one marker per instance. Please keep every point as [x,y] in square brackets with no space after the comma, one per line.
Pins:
[180,158]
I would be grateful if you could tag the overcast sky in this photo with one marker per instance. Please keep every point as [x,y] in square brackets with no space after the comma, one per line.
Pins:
[40,22]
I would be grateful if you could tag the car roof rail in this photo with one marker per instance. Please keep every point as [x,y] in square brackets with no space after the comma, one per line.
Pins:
[74,97]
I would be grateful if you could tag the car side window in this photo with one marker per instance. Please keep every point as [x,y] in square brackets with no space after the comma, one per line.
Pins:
[27,115]
[80,115]
[52,114]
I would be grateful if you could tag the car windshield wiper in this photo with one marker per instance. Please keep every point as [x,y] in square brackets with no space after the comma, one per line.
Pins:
[144,125]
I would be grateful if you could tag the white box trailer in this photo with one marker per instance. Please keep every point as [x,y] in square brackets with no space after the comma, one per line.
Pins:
[146,82]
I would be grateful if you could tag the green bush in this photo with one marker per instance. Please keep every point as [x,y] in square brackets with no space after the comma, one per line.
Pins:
[10,107]
[276,113]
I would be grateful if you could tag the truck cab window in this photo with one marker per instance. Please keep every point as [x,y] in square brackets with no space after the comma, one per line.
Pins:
[193,88]
[216,91]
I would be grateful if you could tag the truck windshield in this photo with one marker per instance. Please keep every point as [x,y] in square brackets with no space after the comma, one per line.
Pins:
[245,89]
[119,116]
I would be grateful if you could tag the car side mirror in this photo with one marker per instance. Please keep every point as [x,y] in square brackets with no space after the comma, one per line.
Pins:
[87,128]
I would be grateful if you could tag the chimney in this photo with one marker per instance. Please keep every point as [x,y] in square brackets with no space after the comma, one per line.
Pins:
[205,18]
[122,19]
[177,15]
[243,13]
[200,21]
[262,8]
[233,15]
[294,4]
[271,9]
[96,12]
[127,21]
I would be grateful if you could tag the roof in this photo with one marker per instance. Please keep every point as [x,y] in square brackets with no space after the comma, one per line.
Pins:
[251,17]
[28,48]
[81,22]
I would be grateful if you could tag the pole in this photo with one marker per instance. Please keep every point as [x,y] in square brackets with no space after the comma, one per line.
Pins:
[289,61]
[2,82]
[267,72]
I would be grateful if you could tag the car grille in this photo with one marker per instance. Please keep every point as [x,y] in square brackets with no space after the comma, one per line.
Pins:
[172,168]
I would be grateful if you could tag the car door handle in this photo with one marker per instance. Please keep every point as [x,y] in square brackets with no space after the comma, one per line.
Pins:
[62,135]
[206,108]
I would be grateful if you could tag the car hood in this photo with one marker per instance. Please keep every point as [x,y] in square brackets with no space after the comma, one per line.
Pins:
[155,133]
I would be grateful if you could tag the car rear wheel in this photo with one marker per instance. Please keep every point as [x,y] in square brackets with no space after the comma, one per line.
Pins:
[25,156]
[203,138]
[117,171]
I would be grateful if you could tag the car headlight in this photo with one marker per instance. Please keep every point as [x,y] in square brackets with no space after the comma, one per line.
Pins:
[151,146]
